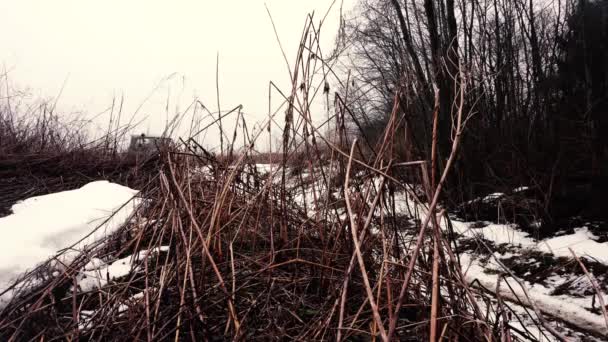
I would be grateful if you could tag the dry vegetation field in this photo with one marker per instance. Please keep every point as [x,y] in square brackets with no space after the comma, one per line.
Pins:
[229,247]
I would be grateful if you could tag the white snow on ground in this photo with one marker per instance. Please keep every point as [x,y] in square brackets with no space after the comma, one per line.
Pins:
[582,241]
[85,320]
[497,233]
[567,308]
[97,273]
[41,226]
[265,168]
[573,310]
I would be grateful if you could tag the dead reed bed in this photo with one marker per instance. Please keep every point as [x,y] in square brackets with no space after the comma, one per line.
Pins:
[41,154]
[227,252]
[238,263]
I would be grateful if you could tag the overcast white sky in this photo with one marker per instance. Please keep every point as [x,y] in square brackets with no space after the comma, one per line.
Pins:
[104,48]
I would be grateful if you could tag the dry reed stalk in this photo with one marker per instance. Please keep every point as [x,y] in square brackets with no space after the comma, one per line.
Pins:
[432,205]
[353,229]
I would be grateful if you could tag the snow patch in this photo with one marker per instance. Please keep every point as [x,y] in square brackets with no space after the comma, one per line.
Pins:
[41,226]
[497,233]
[569,309]
[582,242]
[97,274]
[265,168]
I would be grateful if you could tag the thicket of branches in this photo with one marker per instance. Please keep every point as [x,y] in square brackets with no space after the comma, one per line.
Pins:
[538,90]
[221,252]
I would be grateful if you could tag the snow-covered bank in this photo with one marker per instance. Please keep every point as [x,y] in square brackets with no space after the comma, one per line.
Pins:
[567,308]
[489,250]
[41,226]
[582,241]
[572,307]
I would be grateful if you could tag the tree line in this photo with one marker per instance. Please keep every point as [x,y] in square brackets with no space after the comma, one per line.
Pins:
[536,90]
